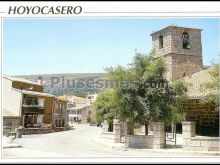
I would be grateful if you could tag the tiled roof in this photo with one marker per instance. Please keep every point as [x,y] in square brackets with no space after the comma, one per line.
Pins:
[12,78]
[80,106]
[71,97]
[37,93]
[195,81]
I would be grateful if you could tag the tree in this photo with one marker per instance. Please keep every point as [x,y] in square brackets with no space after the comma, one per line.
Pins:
[106,106]
[143,94]
[142,102]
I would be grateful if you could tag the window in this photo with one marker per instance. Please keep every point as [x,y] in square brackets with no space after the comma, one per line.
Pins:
[186,40]
[30,101]
[41,102]
[56,105]
[9,124]
[63,109]
[31,88]
[160,41]
[78,112]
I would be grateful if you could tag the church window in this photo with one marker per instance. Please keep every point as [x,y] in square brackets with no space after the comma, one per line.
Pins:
[160,41]
[186,40]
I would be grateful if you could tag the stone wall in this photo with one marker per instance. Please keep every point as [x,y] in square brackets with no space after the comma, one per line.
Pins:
[155,141]
[204,114]
[109,136]
[159,135]
[159,52]
[28,131]
[172,41]
[191,142]
[105,126]
[183,65]
[117,131]
[12,122]
[180,65]
[181,62]
[140,141]
[114,136]
[195,41]
[200,143]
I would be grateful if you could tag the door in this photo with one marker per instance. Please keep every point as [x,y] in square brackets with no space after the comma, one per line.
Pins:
[39,119]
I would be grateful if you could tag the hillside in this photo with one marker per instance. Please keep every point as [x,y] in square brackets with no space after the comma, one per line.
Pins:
[58,84]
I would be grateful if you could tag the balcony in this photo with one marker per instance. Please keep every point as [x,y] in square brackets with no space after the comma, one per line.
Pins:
[32,109]
[33,105]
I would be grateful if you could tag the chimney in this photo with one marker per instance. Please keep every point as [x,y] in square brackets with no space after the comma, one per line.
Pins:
[39,81]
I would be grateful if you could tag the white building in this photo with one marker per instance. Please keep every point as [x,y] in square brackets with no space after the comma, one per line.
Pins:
[91,98]
[80,109]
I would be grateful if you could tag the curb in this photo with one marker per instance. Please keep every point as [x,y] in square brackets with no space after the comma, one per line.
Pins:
[12,146]
[112,145]
[210,153]
[174,151]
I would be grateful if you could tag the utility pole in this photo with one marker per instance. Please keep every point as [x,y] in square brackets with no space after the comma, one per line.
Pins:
[66,112]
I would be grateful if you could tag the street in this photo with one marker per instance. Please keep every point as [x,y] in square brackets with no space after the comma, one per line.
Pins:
[78,142]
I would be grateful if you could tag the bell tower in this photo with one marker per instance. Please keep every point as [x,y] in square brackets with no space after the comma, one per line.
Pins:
[181,48]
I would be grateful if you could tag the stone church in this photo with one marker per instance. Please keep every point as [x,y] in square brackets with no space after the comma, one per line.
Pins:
[181,48]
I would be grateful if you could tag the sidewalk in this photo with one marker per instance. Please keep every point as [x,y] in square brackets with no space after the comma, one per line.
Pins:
[176,151]
[7,142]
[109,143]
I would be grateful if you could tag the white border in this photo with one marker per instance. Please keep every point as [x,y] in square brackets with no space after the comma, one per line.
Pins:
[118,10]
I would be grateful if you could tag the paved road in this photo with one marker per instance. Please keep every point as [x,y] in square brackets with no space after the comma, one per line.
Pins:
[74,143]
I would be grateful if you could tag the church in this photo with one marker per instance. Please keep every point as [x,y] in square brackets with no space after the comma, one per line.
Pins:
[181,48]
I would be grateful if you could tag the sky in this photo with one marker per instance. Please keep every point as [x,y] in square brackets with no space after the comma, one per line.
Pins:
[51,46]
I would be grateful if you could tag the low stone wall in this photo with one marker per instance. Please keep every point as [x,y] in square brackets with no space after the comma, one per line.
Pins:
[159,135]
[28,131]
[191,142]
[57,129]
[140,141]
[11,122]
[201,143]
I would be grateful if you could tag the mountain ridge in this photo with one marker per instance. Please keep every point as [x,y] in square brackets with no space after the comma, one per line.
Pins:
[62,83]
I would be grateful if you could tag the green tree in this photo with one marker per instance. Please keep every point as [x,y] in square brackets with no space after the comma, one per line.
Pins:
[106,106]
[140,102]
[144,103]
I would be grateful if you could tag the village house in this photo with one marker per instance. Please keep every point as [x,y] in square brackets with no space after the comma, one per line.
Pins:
[80,113]
[25,104]
[60,112]
[80,109]
[91,98]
